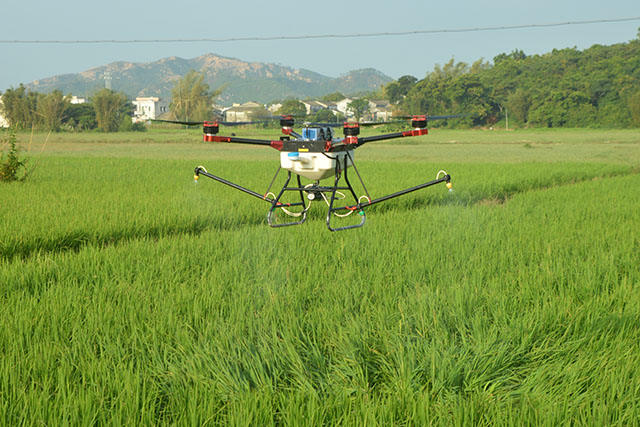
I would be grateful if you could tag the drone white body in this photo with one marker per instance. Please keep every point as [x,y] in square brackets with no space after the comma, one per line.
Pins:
[315,166]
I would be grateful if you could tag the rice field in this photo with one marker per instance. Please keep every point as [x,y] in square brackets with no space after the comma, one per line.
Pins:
[129,295]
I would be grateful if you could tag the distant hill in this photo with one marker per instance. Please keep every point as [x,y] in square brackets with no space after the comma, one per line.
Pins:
[246,81]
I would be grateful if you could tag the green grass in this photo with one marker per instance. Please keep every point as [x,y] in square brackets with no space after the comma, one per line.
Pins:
[130,295]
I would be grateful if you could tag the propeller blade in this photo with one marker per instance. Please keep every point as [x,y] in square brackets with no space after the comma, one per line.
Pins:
[243,123]
[325,125]
[201,123]
[178,122]
[341,124]
[451,116]
[280,117]
[381,123]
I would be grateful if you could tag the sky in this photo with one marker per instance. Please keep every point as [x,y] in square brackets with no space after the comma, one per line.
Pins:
[395,55]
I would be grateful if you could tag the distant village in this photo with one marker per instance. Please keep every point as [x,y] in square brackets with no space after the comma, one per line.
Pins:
[150,108]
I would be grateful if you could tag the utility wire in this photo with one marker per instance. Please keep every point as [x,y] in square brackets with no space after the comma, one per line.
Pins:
[323,36]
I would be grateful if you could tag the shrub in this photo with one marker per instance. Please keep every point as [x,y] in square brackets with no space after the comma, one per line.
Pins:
[12,167]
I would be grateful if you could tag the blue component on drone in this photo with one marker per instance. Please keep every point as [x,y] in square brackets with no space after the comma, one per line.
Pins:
[310,133]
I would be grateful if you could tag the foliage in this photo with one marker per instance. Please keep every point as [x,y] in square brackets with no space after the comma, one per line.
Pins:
[451,69]
[333,97]
[81,116]
[634,108]
[191,98]
[324,116]
[518,104]
[396,91]
[111,108]
[19,107]
[51,110]
[514,55]
[358,107]
[12,167]
[292,107]
[564,88]
[127,125]
[462,93]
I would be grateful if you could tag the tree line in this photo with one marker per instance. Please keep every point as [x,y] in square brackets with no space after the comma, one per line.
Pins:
[597,87]
[106,111]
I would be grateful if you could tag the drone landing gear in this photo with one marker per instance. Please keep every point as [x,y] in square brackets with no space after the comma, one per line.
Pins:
[315,192]
[350,209]
[275,204]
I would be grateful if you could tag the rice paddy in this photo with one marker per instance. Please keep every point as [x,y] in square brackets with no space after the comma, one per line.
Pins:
[131,295]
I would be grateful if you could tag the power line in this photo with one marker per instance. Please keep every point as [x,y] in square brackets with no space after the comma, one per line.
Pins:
[323,36]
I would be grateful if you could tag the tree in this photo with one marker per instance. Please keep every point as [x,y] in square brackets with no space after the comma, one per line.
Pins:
[407,82]
[80,116]
[396,91]
[19,107]
[359,107]
[516,54]
[518,103]
[111,108]
[333,97]
[191,98]
[324,116]
[450,69]
[479,66]
[634,107]
[51,109]
[293,107]
[393,93]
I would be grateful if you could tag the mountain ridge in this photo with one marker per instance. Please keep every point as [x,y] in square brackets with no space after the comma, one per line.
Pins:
[243,80]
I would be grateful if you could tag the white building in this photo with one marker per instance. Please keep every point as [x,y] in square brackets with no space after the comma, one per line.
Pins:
[3,121]
[380,110]
[149,108]
[274,107]
[243,112]
[342,107]
[76,100]
[312,106]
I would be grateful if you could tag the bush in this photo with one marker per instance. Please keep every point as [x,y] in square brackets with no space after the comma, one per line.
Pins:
[139,127]
[12,168]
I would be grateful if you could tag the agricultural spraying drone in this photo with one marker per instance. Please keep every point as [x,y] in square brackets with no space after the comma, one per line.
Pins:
[316,154]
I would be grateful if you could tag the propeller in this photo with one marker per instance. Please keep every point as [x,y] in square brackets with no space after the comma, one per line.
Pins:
[178,122]
[363,124]
[450,116]
[325,125]
[220,122]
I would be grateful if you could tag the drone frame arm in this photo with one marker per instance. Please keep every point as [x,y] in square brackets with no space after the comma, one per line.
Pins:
[277,144]
[446,178]
[200,171]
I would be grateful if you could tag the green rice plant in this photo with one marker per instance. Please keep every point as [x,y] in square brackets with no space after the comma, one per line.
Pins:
[512,301]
